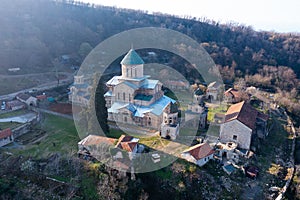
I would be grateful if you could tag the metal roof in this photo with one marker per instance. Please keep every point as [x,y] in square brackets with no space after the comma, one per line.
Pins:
[139,111]
[132,58]
[149,84]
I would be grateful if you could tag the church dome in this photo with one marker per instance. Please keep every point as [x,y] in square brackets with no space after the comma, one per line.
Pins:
[132,58]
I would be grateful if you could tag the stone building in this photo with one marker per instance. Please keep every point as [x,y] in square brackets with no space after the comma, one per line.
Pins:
[134,99]
[196,114]
[242,123]
[80,91]
[214,91]
[27,99]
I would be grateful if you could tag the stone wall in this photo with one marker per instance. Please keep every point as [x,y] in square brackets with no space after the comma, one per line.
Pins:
[234,127]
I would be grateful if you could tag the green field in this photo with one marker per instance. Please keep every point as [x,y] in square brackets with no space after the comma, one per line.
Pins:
[61,137]
[11,125]
[12,114]
[216,109]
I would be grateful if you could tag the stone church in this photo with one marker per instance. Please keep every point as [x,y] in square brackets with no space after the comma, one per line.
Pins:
[135,99]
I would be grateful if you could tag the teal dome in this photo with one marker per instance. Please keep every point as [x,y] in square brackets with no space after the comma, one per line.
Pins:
[132,58]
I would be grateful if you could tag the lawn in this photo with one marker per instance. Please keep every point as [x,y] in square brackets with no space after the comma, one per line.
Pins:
[11,125]
[155,142]
[212,110]
[12,114]
[115,133]
[61,137]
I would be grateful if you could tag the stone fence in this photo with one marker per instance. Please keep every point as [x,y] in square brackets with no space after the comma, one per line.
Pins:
[292,161]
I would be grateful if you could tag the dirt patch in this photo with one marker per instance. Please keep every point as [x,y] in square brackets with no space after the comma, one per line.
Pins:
[31,137]
[63,108]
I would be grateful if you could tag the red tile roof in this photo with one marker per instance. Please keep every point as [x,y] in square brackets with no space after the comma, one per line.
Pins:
[41,97]
[126,143]
[245,113]
[232,92]
[200,151]
[5,133]
[242,112]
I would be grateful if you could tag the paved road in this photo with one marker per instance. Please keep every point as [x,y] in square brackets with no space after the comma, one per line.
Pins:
[20,119]
[42,87]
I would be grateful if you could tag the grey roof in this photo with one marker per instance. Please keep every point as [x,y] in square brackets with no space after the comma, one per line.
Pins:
[23,96]
[132,58]
[114,80]
[108,94]
[214,84]
[150,84]
[156,108]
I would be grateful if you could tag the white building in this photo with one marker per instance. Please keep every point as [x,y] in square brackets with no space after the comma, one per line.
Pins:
[199,154]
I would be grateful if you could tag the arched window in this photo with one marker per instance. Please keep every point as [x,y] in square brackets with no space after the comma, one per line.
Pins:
[118,95]
[124,96]
[129,97]
[149,121]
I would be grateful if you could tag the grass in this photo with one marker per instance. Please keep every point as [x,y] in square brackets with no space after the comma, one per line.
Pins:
[61,137]
[11,125]
[155,142]
[115,133]
[13,114]
[213,110]
[164,173]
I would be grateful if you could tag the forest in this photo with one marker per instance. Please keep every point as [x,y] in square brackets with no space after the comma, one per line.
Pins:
[36,32]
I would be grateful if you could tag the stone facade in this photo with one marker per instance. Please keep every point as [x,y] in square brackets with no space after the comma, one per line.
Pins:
[235,131]
[196,114]
[80,91]
[214,91]
[132,98]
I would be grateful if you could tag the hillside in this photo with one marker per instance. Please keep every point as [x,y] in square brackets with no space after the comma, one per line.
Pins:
[35,32]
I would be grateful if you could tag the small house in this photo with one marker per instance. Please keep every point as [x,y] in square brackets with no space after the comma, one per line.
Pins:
[232,96]
[6,137]
[243,122]
[199,154]
[15,105]
[27,99]
[213,91]
[85,145]
[129,144]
